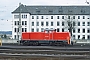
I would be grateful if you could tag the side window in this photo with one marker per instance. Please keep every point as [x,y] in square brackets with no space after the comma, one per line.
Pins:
[24,16]
[32,17]
[51,17]
[46,31]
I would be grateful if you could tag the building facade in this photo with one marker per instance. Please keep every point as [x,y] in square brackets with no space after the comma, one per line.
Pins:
[38,18]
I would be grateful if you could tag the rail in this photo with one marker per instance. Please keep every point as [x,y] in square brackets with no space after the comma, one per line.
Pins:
[44,51]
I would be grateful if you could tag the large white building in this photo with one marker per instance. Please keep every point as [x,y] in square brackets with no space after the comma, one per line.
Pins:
[38,18]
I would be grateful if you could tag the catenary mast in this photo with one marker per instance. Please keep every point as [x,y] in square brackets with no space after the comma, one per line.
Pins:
[20,32]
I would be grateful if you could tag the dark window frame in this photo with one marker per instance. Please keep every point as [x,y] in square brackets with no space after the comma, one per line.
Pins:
[58,24]
[32,23]
[78,23]
[63,23]
[83,31]
[51,23]
[32,17]
[51,17]
[47,24]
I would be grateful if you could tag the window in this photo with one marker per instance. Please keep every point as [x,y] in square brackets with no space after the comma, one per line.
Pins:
[42,23]
[83,17]
[62,17]
[42,29]
[58,23]
[22,22]
[73,30]
[37,23]
[83,23]
[78,23]
[57,29]
[62,23]
[83,30]
[51,28]
[69,23]
[88,36]
[73,36]
[62,29]
[88,23]
[73,17]
[83,37]
[57,17]
[78,30]
[24,16]
[88,18]
[51,23]
[88,30]
[46,23]
[51,17]
[25,29]
[32,23]
[25,22]
[78,36]
[16,16]
[17,36]
[14,36]
[37,17]
[78,17]
[74,23]
[22,29]
[32,30]
[68,17]
[15,23]
[15,30]
[46,28]
[41,17]
[32,17]
[37,29]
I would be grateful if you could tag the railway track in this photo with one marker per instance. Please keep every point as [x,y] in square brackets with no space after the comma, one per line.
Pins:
[44,51]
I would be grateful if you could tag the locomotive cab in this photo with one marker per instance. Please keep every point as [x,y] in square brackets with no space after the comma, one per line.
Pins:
[57,38]
[49,30]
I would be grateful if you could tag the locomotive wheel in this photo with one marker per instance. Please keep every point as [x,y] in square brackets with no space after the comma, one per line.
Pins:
[35,43]
[51,44]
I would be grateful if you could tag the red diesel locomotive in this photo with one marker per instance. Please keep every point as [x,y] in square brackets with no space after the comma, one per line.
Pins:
[49,36]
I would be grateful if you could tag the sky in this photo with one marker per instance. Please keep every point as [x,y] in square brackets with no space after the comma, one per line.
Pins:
[5,25]
[8,6]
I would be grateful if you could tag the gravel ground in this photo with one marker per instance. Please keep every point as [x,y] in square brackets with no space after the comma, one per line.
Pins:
[39,58]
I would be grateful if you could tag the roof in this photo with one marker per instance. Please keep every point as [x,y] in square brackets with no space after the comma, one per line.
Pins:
[53,10]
